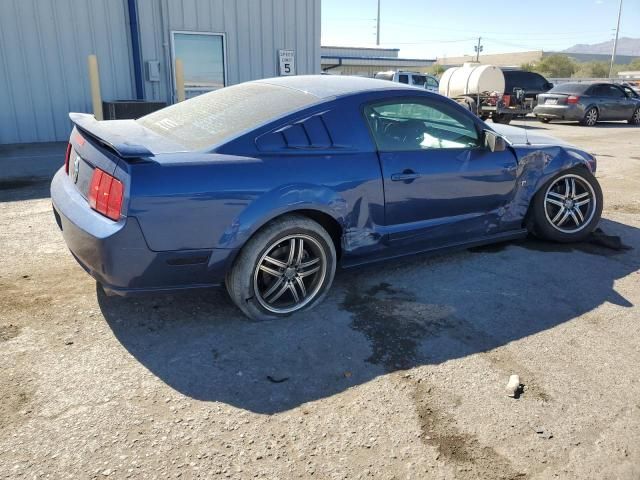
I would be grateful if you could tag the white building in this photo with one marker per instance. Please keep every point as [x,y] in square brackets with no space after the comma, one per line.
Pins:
[366,62]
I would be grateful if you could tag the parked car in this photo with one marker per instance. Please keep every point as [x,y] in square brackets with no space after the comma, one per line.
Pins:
[630,89]
[588,103]
[422,80]
[532,83]
[268,185]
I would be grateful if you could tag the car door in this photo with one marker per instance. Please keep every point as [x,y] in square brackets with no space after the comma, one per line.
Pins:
[432,84]
[441,185]
[418,80]
[624,103]
[611,102]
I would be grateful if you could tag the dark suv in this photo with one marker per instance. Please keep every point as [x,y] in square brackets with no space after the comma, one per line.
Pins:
[532,83]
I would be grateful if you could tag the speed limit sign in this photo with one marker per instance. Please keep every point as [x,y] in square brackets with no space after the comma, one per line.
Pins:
[287,62]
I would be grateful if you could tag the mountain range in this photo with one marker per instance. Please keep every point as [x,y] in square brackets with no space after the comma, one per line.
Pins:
[626,46]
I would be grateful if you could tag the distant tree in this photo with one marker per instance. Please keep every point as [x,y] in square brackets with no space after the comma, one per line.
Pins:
[527,67]
[556,66]
[592,70]
[633,65]
[599,69]
[437,69]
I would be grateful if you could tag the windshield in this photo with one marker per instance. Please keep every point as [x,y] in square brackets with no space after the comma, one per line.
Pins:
[218,116]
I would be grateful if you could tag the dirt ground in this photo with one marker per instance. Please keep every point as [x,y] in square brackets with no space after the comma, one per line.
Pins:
[400,373]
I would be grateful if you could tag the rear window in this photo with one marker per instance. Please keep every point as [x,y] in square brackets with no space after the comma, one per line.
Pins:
[570,88]
[520,79]
[218,116]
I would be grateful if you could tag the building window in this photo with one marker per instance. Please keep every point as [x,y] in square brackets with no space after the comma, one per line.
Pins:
[203,57]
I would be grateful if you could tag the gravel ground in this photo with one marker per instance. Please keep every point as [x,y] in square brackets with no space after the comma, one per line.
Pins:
[400,373]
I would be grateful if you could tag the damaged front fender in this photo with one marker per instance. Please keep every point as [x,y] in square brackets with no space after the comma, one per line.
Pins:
[535,168]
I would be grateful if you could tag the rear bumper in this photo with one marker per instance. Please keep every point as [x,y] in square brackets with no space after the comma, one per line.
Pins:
[560,112]
[116,253]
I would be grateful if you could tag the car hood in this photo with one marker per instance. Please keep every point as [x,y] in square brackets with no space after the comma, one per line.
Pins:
[520,137]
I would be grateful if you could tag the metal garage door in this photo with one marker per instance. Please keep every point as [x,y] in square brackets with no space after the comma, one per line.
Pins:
[44,46]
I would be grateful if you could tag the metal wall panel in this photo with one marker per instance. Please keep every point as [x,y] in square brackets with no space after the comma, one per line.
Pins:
[44,46]
[254,32]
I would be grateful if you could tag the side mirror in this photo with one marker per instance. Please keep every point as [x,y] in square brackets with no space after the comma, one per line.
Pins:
[494,142]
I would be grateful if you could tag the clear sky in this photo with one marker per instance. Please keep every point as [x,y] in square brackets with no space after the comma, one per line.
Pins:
[429,28]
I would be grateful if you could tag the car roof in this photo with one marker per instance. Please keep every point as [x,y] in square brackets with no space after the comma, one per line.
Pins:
[327,86]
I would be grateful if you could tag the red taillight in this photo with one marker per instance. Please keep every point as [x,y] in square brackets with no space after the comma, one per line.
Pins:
[66,158]
[573,99]
[105,194]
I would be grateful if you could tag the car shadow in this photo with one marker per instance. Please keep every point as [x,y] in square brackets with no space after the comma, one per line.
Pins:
[25,188]
[26,170]
[377,319]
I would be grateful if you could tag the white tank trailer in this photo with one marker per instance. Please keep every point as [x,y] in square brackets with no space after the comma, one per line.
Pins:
[481,88]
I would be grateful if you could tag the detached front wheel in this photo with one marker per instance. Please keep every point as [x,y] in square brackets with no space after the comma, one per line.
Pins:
[568,207]
[286,267]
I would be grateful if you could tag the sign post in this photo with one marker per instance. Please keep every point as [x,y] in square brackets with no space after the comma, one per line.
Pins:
[287,59]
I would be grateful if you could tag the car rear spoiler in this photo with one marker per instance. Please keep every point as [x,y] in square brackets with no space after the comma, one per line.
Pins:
[110,134]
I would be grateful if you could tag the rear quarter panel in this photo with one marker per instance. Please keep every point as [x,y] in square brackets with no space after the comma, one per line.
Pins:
[219,199]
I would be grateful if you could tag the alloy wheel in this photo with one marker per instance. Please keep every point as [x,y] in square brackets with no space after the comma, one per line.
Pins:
[290,273]
[569,203]
[591,117]
[636,117]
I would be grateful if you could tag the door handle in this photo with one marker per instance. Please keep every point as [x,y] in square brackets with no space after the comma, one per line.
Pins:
[405,176]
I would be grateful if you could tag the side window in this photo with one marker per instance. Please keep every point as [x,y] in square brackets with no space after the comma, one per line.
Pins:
[412,125]
[404,78]
[595,91]
[539,82]
[615,92]
[432,82]
[418,80]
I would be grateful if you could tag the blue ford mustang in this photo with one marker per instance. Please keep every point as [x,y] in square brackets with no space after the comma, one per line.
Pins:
[267,186]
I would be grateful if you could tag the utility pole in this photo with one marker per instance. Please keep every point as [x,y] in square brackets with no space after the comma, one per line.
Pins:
[378,26]
[478,49]
[615,42]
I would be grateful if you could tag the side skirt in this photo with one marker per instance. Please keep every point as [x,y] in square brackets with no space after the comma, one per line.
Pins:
[497,238]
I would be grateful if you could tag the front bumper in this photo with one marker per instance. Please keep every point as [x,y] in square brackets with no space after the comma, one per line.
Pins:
[116,253]
[559,112]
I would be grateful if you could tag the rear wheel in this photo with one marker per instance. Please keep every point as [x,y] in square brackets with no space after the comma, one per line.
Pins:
[545,120]
[285,267]
[568,207]
[590,117]
[635,119]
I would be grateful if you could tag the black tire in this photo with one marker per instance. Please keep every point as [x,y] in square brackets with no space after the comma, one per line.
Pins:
[542,214]
[484,118]
[503,118]
[635,119]
[248,284]
[591,117]
[545,120]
